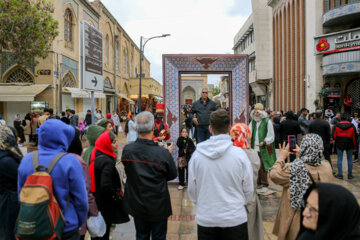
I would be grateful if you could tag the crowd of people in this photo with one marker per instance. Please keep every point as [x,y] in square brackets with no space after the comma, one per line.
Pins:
[224,169]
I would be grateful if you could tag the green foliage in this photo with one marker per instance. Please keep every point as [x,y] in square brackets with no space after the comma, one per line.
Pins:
[27,29]
[215,90]
[323,93]
[316,102]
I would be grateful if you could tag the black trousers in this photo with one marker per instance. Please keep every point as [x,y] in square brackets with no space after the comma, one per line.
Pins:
[72,235]
[239,232]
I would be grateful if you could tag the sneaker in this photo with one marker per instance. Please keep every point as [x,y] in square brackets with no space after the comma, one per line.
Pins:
[350,177]
[180,187]
[339,176]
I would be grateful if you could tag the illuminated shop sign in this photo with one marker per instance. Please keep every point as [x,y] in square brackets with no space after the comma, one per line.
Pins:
[338,42]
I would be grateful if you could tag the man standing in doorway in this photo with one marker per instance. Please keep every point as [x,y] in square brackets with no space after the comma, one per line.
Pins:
[262,140]
[200,114]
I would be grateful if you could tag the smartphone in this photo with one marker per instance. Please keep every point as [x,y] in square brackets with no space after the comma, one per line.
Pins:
[292,142]
[168,144]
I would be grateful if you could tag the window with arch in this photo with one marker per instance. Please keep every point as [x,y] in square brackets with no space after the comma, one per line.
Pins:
[117,56]
[68,25]
[107,50]
[125,61]
[107,83]
[69,81]
[19,75]
[131,65]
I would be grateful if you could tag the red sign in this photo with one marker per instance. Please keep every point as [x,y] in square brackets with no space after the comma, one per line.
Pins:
[323,45]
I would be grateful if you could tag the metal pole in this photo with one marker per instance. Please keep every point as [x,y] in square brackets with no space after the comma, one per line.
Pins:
[92,107]
[141,52]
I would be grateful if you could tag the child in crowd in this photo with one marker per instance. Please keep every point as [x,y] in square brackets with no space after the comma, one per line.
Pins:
[82,128]
[186,148]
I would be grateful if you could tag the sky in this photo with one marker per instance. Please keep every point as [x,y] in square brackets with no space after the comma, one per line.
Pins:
[196,26]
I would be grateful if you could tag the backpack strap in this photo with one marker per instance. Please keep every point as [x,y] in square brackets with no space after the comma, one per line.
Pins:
[37,167]
[54,161]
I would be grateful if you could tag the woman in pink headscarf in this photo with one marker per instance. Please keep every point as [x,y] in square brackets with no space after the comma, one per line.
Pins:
[241,136]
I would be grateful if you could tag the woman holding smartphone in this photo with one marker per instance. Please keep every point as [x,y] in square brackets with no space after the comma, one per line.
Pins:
[295,178]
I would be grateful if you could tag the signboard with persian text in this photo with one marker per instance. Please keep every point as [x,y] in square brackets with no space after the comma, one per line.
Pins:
[343,41]
[92,58]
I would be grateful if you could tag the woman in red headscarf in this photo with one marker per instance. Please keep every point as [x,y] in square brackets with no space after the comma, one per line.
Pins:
[241,136]
[105,181]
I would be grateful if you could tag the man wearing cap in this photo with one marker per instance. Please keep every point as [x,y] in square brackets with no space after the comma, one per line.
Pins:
[161,130]
[200,113]
[263,141]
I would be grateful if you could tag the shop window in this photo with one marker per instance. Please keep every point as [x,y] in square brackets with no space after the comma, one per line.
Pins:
[19,76]
[326,5]
[337,85]
[68,28]
[68,81]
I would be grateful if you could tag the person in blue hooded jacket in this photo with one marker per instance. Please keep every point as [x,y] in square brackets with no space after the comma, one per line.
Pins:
[68,177]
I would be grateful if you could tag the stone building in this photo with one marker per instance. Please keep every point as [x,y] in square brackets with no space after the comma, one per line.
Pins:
[255,39]
[151,93]
[56,82]
[290,35]
[191,87]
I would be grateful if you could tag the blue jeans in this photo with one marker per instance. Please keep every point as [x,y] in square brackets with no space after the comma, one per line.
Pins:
[191,129]
[156,229]
[340,158]
[202,134]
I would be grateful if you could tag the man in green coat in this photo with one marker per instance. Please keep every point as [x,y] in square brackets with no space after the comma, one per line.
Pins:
[263,141]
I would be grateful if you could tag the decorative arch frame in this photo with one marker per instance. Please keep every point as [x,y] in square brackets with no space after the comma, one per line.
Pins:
[236,66]
[14,68]
[75,83]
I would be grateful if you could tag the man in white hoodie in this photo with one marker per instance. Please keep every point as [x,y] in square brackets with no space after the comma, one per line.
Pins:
[220,183]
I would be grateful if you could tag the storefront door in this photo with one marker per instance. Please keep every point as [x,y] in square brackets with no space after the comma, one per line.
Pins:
[353,89]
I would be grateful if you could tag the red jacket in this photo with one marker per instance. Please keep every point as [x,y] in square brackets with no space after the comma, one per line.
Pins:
[345,135]
[158,127]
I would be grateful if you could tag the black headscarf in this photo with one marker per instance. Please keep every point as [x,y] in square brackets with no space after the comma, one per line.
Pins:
[76,145]
[339,214]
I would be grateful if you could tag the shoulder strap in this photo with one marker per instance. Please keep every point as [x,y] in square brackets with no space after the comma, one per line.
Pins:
[54,161]
[35,161]
[309,174]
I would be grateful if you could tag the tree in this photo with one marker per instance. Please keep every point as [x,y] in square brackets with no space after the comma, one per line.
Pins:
[215,90]
[27,29]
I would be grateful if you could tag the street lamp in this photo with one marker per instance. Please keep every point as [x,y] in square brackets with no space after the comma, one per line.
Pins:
[142,46]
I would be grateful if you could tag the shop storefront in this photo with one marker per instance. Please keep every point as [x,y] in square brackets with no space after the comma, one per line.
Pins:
[341,69]
[21,100]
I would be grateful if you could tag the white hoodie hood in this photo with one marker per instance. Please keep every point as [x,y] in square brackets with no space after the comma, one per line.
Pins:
[215,147]
[220,182]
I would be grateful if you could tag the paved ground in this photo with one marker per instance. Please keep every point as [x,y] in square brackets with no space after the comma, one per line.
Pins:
[182,224]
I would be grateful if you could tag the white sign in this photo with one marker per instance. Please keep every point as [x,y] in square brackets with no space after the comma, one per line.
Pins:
[343,41]
[93,58]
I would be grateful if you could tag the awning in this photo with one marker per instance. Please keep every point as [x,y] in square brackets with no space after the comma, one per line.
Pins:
[21,93]
[81,93]
[122,95]
[257,89]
